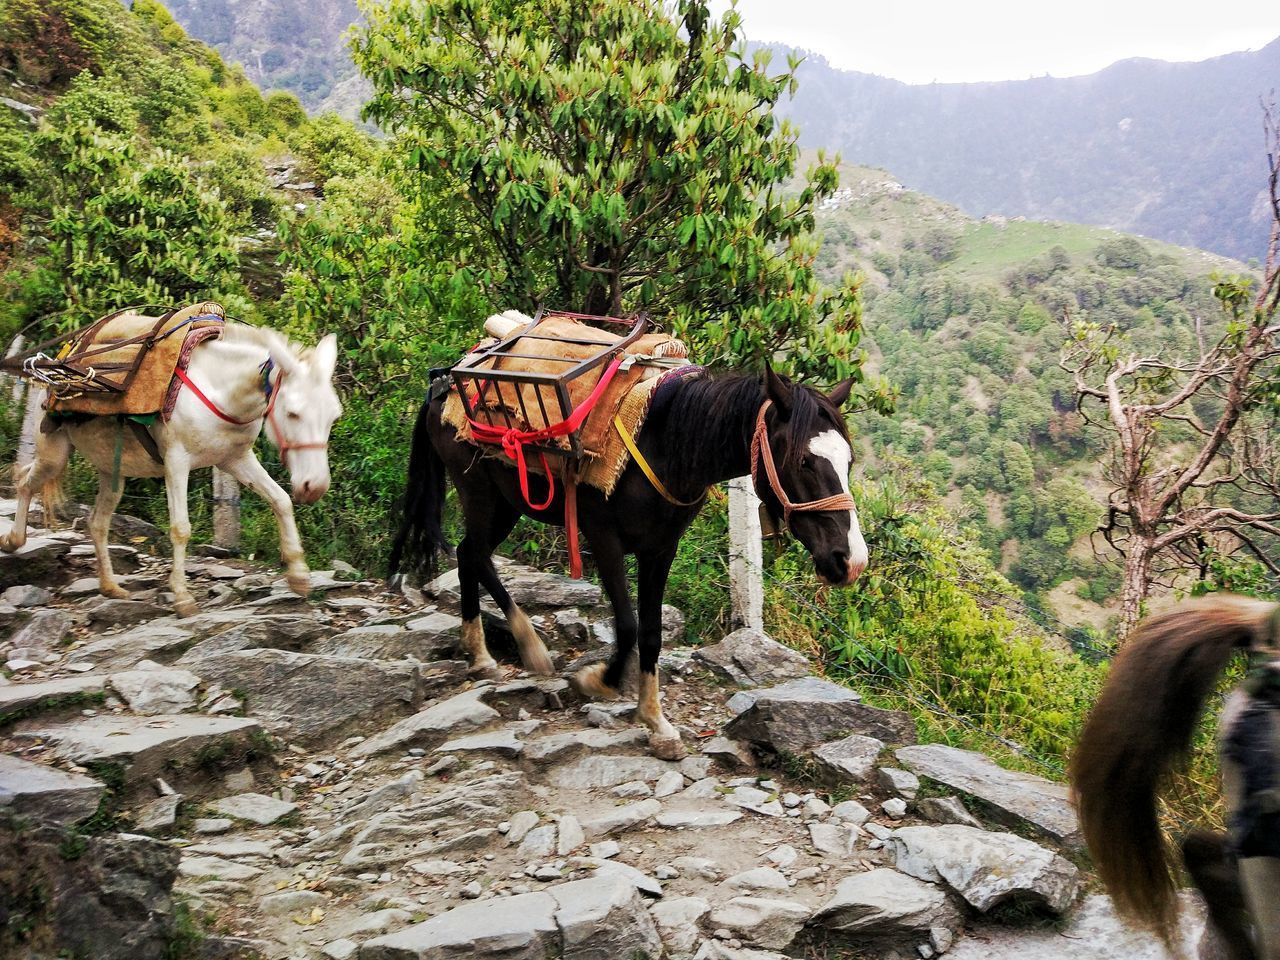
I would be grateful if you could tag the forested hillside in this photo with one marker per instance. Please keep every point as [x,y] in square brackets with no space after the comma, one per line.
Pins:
[1166,150]
[969,319]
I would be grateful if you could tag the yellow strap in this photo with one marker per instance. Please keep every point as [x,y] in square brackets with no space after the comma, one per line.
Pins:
[643,464]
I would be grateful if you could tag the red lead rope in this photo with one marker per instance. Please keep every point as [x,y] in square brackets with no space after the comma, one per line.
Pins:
[513,442]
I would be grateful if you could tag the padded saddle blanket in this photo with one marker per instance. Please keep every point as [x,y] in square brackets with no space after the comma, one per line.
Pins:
[605,455]
[150,390]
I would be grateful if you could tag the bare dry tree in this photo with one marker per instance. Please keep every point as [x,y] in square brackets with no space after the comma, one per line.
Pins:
[1194,465]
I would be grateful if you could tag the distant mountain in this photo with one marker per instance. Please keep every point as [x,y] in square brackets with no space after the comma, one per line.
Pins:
[1167,150]
[295,45]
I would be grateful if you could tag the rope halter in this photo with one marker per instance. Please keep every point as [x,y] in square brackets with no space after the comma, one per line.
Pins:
[761,451]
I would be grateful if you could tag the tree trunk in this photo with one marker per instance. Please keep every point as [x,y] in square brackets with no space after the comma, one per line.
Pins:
[746,556]
[1137,582]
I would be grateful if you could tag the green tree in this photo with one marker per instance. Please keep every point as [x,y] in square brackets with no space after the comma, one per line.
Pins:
[616,155]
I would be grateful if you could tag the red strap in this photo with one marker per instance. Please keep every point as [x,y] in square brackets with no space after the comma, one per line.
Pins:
[513,440]
[182,375]
[571,526]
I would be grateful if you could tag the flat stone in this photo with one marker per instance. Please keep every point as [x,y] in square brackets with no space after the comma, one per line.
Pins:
[254,807]
[106,611]
[620,819]
[761,921]
[1013,797]
[761,878]
[156,690]
[211,825]
[18,699]
[146,746]
[465,711]
[393,642]
[987,869]
[696,818]
[309,696]
[538,843]
[560,747]
[26,595]
[751,658]
[733,754]
[524,929]
[503,742]
[851,760]
[38,792]
[570,835]
[884,904]
[599,771]
[612,868]
[800,714]
[160,640]
[234,849]
[200,867]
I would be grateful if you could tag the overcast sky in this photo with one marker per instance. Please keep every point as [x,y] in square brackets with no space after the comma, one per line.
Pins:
[920,41]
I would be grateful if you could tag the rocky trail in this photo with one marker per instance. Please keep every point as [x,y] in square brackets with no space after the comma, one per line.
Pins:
[281,777]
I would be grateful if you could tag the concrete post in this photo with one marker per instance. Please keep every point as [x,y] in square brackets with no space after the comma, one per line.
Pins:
[226,510]
[746,556]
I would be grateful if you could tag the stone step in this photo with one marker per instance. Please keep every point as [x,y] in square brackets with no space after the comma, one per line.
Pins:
[180,748]
[19,700]
[33,791]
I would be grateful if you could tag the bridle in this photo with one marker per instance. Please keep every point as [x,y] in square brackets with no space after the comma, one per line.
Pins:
[270,391]
[761,451]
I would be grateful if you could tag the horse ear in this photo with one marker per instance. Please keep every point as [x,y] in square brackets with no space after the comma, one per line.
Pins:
[326,356]
[840,394]
[281,353]
[777,389]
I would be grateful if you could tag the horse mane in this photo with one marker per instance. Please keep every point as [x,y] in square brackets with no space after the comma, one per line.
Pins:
[683,416]
[1139,733]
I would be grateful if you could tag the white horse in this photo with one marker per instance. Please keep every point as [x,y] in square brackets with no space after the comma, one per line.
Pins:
[234,385]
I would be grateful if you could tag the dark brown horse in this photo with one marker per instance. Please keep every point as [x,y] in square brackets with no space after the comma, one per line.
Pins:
[1140,729]
[700,430]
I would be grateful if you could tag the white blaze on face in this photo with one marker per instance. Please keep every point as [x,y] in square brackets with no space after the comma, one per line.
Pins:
[835,449]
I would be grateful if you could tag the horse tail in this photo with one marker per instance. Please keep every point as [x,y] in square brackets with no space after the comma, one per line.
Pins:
[421,535]
[1140,731]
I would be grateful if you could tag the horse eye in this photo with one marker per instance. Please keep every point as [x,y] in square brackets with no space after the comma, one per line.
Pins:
[804,463]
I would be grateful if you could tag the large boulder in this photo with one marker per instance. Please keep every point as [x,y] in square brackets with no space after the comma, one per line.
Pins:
[987,870]
[762,921]
[799,714]
[751,658]
[598,919]
[464,711]
[309,696]
[1013,797]
[37,561]
[152,689]
[851,760]
[435,640]
[65,894]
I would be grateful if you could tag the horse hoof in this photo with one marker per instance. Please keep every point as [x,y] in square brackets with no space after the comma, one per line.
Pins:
[116,592]
[186,608]
[667,748]
[299,583]
[589,681]
[539,663]
[9,543]
[487,671]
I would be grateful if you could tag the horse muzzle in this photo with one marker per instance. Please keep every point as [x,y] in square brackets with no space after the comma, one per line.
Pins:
[309,491]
